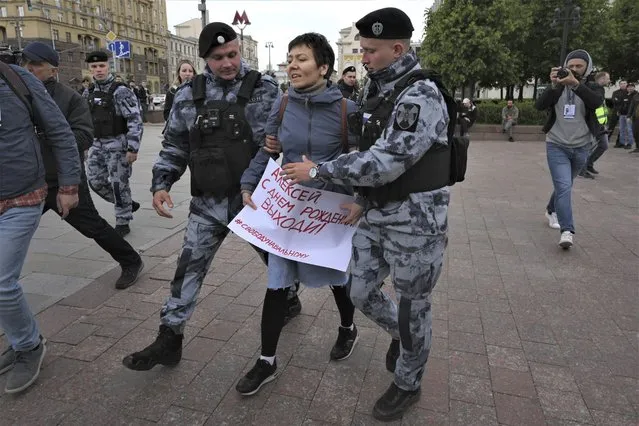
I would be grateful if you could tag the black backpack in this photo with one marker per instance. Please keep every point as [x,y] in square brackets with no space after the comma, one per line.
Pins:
[458,145]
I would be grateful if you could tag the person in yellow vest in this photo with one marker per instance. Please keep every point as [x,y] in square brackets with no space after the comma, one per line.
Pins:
[602,79]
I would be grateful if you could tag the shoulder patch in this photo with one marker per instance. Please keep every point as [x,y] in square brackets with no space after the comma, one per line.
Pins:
[406,117]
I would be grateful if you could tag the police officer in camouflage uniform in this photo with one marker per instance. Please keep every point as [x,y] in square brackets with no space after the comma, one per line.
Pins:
[216,126]
[403,229]
[118,131]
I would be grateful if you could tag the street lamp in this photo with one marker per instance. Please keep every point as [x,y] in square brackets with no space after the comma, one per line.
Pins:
[269,45]
[570,16]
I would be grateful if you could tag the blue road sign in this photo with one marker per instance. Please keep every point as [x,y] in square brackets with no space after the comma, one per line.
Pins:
[120,48]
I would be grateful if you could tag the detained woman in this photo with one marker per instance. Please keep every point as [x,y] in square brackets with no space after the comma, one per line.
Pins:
[309,123]
[185,71]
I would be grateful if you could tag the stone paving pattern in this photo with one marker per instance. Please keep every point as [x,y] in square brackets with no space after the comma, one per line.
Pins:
[524,333]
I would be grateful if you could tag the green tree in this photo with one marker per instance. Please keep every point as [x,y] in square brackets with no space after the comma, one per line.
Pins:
[543,44]
[476,41]
[623,40]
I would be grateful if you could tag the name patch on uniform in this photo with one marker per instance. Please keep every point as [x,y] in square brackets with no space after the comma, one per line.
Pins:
[255,99]
[406,117]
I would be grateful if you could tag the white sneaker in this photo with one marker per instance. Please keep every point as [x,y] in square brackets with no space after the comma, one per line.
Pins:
[565,242]
[553,222]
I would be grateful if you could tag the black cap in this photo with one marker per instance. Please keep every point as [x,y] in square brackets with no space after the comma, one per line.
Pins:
[213,35]
[349,69]
[389,23]
[40,52]
[97,56]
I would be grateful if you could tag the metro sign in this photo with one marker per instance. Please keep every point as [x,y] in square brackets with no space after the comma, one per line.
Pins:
[241,19]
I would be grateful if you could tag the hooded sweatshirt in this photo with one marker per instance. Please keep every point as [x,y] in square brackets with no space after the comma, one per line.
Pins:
[578,131]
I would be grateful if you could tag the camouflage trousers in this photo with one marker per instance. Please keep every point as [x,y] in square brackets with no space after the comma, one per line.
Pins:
[202,239]
[108,173]
[414,263]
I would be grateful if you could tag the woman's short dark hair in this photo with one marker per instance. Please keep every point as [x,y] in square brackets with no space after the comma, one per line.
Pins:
[322,50]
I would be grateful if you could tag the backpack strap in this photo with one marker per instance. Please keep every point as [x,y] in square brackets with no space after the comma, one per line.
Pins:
[198,86]
[280,114]
[345,146]
[248,85]
[15,82]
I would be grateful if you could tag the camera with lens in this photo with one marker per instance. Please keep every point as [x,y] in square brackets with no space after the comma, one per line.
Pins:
[10,56]
[563,73]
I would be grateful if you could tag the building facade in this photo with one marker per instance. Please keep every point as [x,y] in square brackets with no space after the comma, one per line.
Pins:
[349,51]
[191,28]
[180,48]
[76,27]
[249,51]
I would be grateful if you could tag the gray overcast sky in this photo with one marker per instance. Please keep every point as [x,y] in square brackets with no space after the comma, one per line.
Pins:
[280,21]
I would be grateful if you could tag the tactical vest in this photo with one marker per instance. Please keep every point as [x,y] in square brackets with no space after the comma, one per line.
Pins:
[602,114]
[441,165]
[106,123]
[221,140]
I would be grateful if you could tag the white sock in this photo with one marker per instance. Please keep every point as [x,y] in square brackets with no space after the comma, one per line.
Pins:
[269,359]
[351,328]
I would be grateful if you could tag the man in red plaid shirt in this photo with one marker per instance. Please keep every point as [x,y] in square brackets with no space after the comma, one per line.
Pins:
[26,105]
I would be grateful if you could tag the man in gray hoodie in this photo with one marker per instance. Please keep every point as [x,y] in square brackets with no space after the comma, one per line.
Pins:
[570,131]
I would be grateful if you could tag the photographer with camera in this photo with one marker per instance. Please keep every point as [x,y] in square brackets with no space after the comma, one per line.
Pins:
[571,129]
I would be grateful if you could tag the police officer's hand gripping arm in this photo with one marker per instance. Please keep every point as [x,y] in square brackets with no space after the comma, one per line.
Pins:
[401,145]
[174,155]
[49,119]
[127,103]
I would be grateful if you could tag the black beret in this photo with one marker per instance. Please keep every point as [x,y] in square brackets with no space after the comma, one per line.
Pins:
[40,52]
[349,69]
[389,23]
[97,56]
[213,35]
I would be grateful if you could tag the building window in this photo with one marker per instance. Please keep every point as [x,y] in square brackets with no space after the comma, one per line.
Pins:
[74,19]
[20,11]
[60,17]
[70,56]
[57,3]
[56,35]
[3,34]
[3,12]
[355,51]
[68,37]
[46,13]
[83,22]
[139,67]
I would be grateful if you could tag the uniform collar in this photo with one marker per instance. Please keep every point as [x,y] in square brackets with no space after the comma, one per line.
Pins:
[395,70]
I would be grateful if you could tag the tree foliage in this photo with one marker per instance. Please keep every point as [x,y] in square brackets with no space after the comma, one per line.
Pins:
[470,41]
[499,43]
[623,40]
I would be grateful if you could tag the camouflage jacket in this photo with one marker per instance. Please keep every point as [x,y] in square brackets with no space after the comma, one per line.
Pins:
[127,106]
[424,213]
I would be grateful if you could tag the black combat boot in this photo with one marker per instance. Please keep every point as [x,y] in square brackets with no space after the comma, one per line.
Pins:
[166,350]
[392,355]
[394,403]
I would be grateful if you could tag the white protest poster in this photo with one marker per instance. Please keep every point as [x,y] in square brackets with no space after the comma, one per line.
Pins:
[296,222]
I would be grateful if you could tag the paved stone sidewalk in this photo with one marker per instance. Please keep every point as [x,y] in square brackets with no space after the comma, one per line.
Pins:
[524,333]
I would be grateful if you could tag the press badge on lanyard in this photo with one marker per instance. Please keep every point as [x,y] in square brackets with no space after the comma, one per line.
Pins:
[569,108]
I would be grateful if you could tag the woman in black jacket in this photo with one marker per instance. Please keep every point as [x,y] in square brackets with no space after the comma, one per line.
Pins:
[185,71]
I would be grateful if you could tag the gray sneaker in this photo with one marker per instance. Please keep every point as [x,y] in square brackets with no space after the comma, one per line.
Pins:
[26,368]
[7,358]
